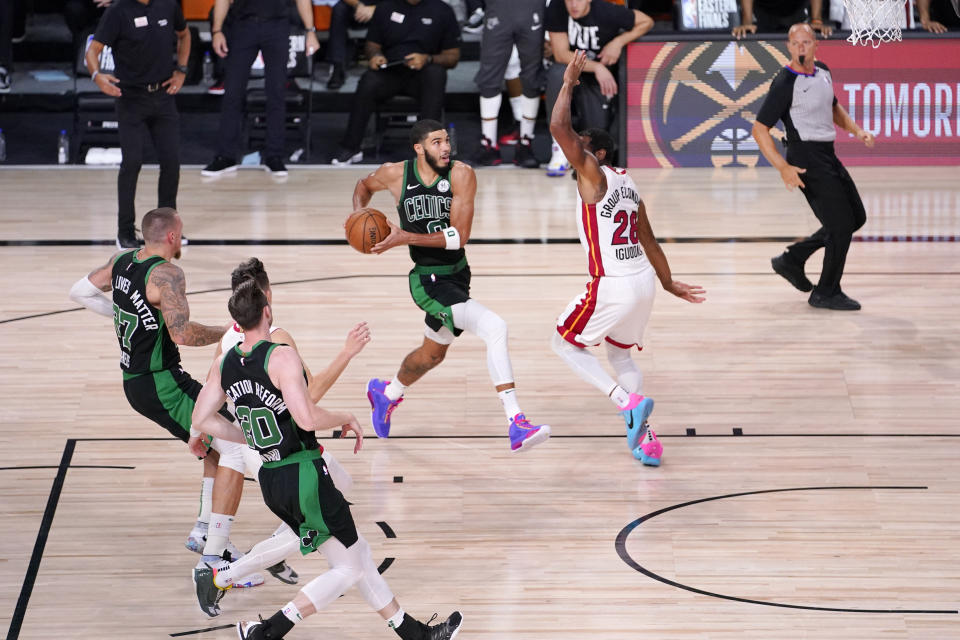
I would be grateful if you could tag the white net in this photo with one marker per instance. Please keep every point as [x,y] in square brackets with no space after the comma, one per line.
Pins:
[875,21]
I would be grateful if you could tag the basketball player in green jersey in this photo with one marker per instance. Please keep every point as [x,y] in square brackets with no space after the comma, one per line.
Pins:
[268,386]
[151,317]
[435,204]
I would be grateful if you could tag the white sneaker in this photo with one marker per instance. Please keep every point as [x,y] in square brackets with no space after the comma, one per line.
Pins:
[196,540]
[558,166]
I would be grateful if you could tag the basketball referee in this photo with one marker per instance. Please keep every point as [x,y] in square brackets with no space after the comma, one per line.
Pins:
[801,95]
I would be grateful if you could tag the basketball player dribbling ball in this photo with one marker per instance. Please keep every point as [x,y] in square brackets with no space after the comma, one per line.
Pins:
[266,383]
[435,204]
[622,255]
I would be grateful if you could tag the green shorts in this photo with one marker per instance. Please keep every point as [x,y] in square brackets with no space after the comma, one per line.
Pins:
[299,491]
[436,289]
[167,398]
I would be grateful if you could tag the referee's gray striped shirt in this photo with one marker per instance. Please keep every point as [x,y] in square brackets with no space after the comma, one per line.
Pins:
[804,102]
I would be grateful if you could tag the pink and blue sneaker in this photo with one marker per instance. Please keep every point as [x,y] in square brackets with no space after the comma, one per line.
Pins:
[381,406]
[524,435]
[635,415]
[649,451]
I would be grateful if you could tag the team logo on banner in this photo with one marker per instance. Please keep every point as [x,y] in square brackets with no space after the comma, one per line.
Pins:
[700,101]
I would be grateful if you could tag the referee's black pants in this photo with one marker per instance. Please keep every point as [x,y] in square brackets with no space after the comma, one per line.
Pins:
[427,85]
[245,37]
[833,196]
[139,112]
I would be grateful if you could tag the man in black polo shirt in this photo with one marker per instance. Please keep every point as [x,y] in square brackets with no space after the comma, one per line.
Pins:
[601,29]
[144,34]
[255,26]
[801,95]
[410,46]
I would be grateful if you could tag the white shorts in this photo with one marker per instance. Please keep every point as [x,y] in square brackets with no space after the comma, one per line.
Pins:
[613,308]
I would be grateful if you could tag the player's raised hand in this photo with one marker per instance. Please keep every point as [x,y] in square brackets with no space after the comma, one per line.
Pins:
[689,292]
[575,68]
[357,339]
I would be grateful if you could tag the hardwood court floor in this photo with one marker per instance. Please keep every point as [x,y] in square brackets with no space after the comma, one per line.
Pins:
[847,460]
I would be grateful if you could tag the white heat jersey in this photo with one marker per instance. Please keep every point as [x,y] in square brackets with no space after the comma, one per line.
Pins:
[609,229]
[234,336]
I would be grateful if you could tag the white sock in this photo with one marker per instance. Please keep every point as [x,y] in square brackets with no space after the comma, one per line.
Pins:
[489,112]
[508,398]
[218,534]
[397,619]
[530,108]
[291,612]
[395,389]
[516,105]
[620,396]
[206,500]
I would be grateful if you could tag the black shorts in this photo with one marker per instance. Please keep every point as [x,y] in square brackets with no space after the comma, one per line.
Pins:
[435,293]
[167,397]
[300,492]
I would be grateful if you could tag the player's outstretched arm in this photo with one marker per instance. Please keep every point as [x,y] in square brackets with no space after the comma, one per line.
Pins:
[690,293]
[590,178]
[88,290]
[206,418]
[286,371]
[169,281]
[319,384]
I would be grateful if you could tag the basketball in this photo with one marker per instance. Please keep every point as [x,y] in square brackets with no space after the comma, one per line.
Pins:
[365,228]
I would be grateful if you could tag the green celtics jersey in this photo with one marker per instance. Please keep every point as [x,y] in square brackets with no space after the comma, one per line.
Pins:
[425,209]
[145,344]
[266,422]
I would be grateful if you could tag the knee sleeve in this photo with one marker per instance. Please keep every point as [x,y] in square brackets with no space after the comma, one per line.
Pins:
[346,568]
[231,454]
[443,336]
[583,363]
[371,584]
[485,324]
[628,375]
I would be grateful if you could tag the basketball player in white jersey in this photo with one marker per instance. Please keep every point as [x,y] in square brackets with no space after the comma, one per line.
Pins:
[622,257]
[319,384]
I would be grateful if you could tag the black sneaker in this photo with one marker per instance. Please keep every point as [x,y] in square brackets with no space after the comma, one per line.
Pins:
[337,77]
[283,572]
[837,302]
[4,80]
[208,593]
[251,629]
[275,167]
[474,23]
[791,273]
[219,166]
[346,156]
[446,630]
[489,155]
[127,240]
[523,157]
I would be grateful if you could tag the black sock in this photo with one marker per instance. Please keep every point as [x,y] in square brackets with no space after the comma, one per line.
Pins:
[411,628]
[277,626]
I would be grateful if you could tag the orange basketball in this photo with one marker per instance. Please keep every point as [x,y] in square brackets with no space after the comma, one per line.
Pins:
[366,228]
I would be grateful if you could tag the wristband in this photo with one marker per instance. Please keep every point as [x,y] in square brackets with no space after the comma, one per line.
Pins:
[312,30]
[93,76]
[817,21]
[182,68]
[453,238]
[213,33]
[194,433]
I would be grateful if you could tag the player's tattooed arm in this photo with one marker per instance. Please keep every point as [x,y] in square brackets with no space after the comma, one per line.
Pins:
[102,277]
[172,287]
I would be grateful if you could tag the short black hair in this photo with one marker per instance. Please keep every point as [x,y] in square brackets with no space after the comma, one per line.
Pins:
[251,269]
[422,129]
[601,139]
[246,304]
[157,223]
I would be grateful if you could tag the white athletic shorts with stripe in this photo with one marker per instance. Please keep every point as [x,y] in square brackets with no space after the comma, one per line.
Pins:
[613,308]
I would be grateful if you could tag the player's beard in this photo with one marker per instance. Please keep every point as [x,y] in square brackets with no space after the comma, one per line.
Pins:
[177,254]
[434,163]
